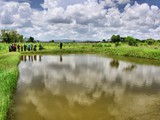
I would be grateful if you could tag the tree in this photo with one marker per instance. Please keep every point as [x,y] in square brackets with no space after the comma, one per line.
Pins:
[150,41]
[10,36]
[21,38]
[13,35]
[8,40]
[52,41]
[131,41]
[118,38]
[0,37]
[31,39]
[104,40]
[4,36]
[115,38]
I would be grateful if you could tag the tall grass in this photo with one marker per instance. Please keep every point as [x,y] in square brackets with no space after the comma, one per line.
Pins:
[8,80]
[101,48]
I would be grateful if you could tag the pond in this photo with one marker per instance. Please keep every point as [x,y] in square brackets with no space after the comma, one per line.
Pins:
[86,87]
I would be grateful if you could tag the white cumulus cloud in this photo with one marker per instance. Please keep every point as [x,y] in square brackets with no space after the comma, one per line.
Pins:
[84,20]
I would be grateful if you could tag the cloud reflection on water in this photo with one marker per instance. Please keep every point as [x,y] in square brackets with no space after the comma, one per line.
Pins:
[105,88]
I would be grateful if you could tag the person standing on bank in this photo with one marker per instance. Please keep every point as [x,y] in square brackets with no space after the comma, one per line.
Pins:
[10,48]
[18,48]
[25,47]
[22,48]
[14,47]
[35,47]
[29,47]
[61,45]
[40,47]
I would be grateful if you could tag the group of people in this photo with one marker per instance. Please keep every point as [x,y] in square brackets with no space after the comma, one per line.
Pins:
[14,47]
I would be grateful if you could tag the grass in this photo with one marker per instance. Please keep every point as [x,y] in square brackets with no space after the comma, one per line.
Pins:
[8,80]
[9,61]
[101,48]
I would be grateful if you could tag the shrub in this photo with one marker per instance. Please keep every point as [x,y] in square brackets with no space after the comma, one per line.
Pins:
[132,43]
[145,44]
[150,41]
[116,44]
[99,45]
[107,45]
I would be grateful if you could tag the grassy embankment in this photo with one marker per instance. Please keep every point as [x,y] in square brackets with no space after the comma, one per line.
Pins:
[8,78]
[142,51]
[146,52]
[9,61]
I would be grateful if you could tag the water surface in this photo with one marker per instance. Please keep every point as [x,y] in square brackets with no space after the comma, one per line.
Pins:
[86,87]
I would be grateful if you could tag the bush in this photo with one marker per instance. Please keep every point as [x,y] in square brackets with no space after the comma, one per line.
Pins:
[141,44]
[99,45]
[118,44]
[132,43]
[145,44]
[107,45]
[150,41]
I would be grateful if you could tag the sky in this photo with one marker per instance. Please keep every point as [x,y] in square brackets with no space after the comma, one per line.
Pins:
[81,19]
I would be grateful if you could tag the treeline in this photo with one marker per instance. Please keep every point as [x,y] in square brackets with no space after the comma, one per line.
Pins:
[12,36]
[130,40]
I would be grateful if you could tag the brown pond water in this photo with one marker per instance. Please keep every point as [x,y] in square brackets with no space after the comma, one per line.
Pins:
[86,87]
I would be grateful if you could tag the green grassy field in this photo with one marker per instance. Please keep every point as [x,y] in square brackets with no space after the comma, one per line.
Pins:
[9,61]
[147,52]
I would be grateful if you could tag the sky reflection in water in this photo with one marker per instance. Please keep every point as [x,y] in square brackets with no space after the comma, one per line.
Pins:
[86,87]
